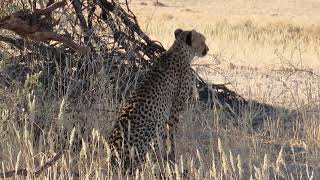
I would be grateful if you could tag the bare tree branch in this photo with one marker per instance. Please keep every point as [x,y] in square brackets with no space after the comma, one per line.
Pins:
[45,36]
[83,23]
[50,8]
[38,28]
[120,12]
[50,2]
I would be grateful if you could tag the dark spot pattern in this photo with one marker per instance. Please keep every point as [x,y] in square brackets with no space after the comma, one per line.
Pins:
[150,115]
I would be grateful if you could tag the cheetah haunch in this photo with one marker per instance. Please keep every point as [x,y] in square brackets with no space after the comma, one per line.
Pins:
[149,118]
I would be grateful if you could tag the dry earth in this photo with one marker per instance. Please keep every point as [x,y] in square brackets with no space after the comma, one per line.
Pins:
[255,68]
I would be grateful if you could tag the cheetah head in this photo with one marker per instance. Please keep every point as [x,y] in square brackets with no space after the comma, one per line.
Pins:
[194,39]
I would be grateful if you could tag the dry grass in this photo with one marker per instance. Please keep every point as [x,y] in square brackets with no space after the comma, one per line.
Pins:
[258,46]
[243,38]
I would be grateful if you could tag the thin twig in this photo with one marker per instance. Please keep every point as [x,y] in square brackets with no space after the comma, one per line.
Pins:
[25,172]
[105,5]
[132,14]
[50,8]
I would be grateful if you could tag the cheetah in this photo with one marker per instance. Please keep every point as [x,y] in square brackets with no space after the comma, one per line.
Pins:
[150,115]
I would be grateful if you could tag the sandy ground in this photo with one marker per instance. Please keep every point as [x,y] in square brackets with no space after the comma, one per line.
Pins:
[305,11]
[247,7]
[253,70]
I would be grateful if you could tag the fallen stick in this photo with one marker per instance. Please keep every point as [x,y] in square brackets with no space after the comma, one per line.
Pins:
[25,172]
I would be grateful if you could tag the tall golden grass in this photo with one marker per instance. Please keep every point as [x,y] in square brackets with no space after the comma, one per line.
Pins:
[261,60]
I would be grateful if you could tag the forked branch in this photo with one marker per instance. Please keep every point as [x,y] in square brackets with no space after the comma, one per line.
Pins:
[38,26]
[50,8]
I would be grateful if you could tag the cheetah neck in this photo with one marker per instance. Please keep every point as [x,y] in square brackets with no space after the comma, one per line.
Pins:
[181,51]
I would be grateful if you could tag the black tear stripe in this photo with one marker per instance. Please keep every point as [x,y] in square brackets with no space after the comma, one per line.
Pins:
[189,39]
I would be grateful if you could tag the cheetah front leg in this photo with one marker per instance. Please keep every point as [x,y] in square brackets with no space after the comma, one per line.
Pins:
[171,130]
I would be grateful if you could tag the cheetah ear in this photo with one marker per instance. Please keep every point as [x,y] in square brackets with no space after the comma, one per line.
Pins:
[177,32]
[189,38]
